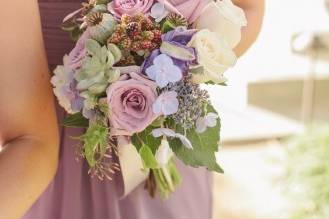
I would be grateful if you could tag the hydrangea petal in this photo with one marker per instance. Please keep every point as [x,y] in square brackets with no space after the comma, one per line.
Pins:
[170,133]
[200,125]
[151,72]
[174,74]
[166,103]
[184,141]
[162,60]
[163,132]
[211,119]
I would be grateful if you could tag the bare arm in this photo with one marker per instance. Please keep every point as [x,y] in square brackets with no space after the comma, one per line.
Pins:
[254,10]
[28,130]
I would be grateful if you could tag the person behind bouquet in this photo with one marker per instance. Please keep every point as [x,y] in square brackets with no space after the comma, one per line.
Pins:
[31,146]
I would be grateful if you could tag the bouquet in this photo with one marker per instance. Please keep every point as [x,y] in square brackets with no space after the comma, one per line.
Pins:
[134,78]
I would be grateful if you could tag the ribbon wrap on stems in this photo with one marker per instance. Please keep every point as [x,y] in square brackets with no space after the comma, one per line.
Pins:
[133,173]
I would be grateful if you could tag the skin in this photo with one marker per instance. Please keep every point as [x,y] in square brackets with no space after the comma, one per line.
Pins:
[254,10]
[28,126]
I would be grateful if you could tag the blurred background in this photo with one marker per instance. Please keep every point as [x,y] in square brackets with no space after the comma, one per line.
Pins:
[275,119]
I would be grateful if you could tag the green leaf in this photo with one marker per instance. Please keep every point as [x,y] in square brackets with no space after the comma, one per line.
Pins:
[75,34]
[205,145]
[102,2]
[148,157]
[147,138]
[213,83]
[158,122]
[167,26]
[75,120]
[95,143]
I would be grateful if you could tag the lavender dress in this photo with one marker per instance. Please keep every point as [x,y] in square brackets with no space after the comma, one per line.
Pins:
[74,195]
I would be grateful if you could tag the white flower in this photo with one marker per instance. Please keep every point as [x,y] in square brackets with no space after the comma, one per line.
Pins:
[223,18]
[159,12]
[210,120]
[66,94]
[170,133]
[164,153]
[213,54]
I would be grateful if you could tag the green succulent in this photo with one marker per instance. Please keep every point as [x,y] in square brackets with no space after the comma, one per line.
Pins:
[97,71]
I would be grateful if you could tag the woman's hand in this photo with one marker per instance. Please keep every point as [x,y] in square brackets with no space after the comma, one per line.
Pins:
[254,10]
[28,125]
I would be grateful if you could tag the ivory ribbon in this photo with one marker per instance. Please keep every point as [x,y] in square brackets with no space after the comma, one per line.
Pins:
[131,165]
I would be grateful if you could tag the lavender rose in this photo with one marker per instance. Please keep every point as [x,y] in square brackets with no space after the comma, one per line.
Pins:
[130,101]
[190,9]
[130,7]
[79,51]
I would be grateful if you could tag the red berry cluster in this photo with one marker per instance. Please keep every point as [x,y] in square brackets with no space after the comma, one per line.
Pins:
[136,33]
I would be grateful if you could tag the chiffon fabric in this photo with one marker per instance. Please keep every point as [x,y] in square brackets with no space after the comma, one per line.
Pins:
[73,194]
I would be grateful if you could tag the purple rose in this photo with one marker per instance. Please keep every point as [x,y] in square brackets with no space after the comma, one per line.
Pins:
[178,39]
[130,7]
[79,52]
[130,101]
[190,9]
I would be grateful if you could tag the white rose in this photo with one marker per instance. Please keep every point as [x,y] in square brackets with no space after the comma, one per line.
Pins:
[223,18]
[213,54]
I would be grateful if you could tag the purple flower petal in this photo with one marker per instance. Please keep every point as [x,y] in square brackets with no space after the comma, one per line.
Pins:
[166,103]
[164,71]
[211,119]
[151,72]
[200,125]
[170,133]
